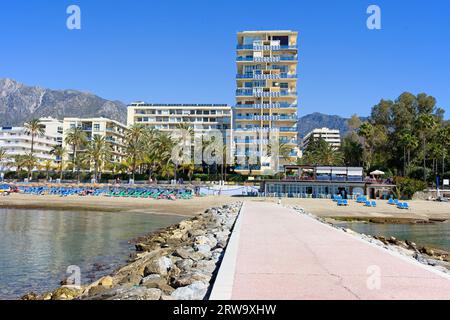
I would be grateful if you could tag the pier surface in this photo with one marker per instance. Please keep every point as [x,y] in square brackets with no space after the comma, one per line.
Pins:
[277,253]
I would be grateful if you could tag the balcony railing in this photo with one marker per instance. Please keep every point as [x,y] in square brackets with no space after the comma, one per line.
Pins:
[266,106]
[257,93]
[266,76]
[285,129]
[267,118]
[266,47]
[267,59]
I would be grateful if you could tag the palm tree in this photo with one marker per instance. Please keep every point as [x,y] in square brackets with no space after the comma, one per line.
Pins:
[150,156]
[97,152]
[189,168]
[35,129]
[59,152]
[3,157]
[425,124]
[47,165]
[18,161]
[135,145]
[76,137]
[329,156]
[167,169]
[163,145]
[187,134]
[29,162]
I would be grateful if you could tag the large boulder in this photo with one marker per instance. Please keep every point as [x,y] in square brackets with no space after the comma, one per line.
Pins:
[185,264]
[66,293]
[183,253]
[132,278]
[139,293]
[203,248]
[107,281]
[159,265]
[207,266]
[190,278]
[195,291]
[157,282]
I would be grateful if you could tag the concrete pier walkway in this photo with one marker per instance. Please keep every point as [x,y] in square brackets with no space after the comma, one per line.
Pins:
[277,253]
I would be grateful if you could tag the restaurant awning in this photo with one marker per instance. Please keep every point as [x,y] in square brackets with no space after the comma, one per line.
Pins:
[354,171]
[323,170]
[339,170]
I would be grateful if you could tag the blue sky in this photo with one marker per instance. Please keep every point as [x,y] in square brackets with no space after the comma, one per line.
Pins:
[183,51]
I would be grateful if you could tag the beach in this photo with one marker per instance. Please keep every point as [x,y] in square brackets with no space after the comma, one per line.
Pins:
[186,208]
[420,210]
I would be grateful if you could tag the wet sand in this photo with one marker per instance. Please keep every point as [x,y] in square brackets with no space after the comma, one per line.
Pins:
[190,207]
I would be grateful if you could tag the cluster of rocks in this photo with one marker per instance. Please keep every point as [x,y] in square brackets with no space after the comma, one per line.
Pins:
[437,258]
[178,263]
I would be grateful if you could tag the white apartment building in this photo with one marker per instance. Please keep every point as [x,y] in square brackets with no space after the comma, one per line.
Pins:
[168,117]
[16,141]
[332,136]
[113,132]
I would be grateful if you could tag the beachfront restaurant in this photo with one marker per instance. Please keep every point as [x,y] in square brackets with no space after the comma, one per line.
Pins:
[316,182]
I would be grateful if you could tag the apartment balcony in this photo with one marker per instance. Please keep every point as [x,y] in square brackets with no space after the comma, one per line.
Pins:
[244,92]
[267,118]
[286,129]
[266,47]
[265,141]
[267,59]
[267,76]
[265,94]
[267,106]
[289,141]
[251,141]
[253,129]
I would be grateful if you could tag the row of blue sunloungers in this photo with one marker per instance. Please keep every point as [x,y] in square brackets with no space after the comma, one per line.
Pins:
[362,199]
[400,205]
[366,202]
[155,193]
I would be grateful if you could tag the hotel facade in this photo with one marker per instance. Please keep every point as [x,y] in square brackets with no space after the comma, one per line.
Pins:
[331,136]
[201,118]
[169,117]
[113,132]
[266,101]
[17,141]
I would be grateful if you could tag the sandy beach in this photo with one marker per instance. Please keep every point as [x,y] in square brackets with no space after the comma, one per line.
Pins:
[187,208]
[420,210]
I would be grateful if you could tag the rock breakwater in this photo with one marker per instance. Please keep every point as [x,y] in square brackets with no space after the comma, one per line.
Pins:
[177,263]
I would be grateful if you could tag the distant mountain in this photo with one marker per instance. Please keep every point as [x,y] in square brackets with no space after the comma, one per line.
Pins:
[19,103]
[319,120]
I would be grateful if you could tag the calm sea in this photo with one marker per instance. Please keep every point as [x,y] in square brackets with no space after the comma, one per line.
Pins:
[37,246]
[435,235]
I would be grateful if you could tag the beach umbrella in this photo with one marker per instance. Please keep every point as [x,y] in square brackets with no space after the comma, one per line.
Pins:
[377,173]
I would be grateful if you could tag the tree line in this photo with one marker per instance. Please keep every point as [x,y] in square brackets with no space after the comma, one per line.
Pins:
[406,137]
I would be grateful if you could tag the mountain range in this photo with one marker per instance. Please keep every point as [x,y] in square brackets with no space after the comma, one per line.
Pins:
[20,103]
